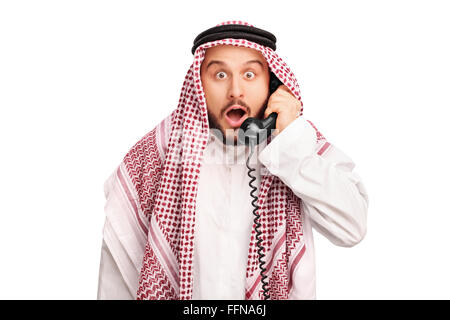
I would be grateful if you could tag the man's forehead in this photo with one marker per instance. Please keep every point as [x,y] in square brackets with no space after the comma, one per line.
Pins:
[232,54]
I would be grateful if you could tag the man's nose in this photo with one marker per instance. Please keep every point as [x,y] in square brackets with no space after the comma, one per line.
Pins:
[236,89]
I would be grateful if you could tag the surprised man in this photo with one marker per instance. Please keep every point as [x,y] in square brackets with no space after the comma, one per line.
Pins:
[192,212]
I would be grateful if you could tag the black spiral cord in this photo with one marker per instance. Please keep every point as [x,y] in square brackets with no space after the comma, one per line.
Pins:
[257,226]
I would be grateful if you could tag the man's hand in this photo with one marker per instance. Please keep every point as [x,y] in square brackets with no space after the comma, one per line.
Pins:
[284,103]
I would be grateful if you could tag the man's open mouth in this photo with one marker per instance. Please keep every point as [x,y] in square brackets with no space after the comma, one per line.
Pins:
[235,115]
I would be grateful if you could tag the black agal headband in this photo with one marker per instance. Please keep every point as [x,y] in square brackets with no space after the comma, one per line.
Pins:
[236,31]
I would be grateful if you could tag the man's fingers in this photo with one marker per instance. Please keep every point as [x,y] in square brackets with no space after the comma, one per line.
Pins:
[274,107]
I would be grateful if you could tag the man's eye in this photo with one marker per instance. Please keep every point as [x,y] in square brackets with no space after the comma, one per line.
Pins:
[221,75]
[249,75]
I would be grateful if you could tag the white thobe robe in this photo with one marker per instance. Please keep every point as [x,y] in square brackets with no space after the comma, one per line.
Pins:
[335,204]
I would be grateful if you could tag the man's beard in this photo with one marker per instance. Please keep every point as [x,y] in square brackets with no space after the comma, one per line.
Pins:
[214,123]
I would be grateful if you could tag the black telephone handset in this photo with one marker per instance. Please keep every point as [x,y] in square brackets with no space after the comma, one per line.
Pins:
[254,130]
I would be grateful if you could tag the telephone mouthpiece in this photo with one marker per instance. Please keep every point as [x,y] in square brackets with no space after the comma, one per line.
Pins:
[254,131]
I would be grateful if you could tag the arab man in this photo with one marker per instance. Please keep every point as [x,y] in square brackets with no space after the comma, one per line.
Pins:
[195,212]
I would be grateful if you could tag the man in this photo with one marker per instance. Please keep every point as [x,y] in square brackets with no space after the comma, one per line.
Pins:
[180,220]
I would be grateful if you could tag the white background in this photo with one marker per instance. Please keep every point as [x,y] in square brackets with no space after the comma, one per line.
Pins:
[82,81]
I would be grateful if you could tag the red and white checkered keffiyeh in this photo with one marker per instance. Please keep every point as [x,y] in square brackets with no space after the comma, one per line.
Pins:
[161,175]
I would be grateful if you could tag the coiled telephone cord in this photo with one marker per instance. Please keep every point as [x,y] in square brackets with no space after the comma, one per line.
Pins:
[257,226]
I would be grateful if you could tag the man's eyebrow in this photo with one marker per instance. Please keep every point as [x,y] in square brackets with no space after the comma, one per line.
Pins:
[255,61]
[214,62]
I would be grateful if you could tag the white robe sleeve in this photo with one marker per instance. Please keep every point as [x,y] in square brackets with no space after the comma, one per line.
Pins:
[322,176]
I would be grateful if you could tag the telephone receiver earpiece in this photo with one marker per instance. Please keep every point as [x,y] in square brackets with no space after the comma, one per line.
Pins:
[253,130]
[274,83]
